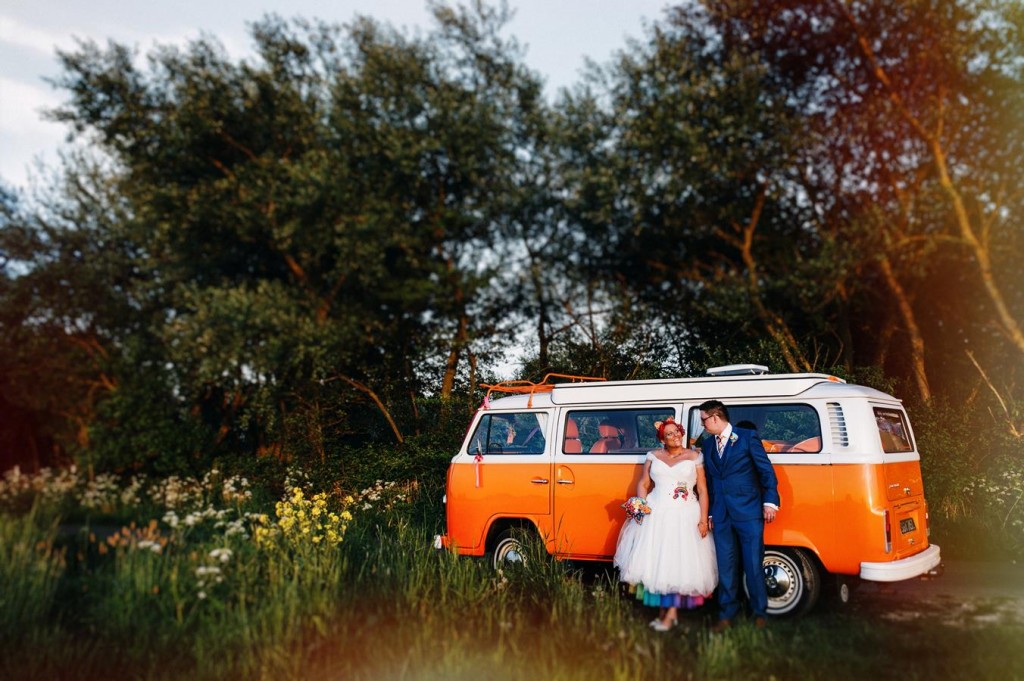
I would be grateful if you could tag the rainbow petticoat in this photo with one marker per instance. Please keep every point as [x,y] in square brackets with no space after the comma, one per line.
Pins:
[657,600]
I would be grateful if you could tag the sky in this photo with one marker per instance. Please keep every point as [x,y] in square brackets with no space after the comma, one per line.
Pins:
[559,35]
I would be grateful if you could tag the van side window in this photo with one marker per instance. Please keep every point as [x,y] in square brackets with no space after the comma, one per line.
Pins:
[892,429]
[792,428]
[612,431]
[521,433]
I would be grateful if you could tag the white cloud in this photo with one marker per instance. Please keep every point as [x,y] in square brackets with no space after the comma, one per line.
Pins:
[21,107]
[24,135]
[32,38]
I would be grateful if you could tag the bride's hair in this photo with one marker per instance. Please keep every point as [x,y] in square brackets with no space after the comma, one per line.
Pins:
[660,427]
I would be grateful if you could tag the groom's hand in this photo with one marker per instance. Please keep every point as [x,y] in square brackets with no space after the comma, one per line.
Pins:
[769,514]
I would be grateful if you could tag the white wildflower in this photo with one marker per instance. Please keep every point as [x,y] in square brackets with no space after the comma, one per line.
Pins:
[153,546]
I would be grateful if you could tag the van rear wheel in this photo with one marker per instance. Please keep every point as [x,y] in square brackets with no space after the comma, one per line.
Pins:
[793,581]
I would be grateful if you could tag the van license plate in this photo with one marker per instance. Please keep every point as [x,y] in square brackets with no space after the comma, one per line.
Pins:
[907,525]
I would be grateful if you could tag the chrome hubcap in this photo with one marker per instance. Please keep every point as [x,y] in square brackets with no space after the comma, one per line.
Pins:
[782,582]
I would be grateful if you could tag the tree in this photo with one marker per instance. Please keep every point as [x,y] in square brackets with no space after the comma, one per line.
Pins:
[296,234]
[913,107]
[689,200]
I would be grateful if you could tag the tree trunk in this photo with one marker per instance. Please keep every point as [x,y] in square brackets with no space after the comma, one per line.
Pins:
[774,324]
[458,343]
[968,233]
[472,381]
[363,388]
[980,250]
[910,324]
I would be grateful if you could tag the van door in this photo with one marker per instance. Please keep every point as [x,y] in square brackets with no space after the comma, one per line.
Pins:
[505,472]
[597,466]
[904,486]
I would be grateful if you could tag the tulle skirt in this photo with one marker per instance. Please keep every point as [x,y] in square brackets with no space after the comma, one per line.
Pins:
[666,554]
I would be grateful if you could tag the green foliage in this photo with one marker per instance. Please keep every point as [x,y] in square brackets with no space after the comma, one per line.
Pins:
[320,250]
[160,601]
[31,567]
[294,236]
[973,480]
[997,501]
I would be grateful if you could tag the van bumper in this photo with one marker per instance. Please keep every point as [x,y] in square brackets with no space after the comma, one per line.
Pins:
[898,570]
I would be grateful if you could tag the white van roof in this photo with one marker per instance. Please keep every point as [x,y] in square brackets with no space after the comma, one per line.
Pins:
[723,388]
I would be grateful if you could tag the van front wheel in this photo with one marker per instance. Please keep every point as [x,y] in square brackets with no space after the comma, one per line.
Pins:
[508,549]
[793,581]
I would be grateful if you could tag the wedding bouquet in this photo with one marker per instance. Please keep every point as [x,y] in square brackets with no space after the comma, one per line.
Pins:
[636,509]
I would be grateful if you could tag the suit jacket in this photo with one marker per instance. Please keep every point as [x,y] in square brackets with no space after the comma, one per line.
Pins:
[742,480]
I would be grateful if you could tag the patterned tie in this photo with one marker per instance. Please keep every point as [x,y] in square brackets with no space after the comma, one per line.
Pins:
[721,444]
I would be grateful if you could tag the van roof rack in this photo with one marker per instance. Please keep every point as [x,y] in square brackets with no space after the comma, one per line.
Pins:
[529,387]
[738,370]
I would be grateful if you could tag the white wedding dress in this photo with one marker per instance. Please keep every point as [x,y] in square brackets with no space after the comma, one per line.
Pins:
[666,554]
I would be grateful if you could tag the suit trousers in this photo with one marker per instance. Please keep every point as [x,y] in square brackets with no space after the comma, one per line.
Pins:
[740,548]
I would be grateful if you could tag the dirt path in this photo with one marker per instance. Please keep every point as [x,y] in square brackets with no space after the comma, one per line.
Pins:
[967,593]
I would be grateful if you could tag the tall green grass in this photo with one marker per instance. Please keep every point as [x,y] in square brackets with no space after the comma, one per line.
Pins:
[384,605]
[30,570]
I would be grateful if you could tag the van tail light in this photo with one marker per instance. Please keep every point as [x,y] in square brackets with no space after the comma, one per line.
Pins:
[888,533]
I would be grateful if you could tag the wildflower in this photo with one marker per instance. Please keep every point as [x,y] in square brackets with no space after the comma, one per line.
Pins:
[302,521]
[171,518]
[236,527]
[153,546]
[223,555]
[208,574]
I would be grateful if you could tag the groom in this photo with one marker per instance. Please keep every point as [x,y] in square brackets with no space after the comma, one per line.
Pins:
[743,494]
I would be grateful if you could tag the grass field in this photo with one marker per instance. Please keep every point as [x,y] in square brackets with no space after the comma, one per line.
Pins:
[232,589]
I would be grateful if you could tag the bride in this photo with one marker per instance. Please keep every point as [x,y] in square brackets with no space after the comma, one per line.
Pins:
[670,558]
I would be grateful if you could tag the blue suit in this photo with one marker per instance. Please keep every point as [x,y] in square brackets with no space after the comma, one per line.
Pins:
[740,482]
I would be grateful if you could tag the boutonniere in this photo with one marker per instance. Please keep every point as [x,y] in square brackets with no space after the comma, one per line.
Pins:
[733,438]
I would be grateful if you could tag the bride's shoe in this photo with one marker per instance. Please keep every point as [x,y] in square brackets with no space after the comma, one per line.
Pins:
[658,625]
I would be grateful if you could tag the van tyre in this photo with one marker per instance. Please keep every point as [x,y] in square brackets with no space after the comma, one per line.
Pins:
[793,580]
[508,549]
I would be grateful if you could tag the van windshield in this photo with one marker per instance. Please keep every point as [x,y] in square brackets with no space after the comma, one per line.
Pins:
[510,433]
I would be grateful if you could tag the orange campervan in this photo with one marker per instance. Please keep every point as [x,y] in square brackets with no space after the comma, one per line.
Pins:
[559,460]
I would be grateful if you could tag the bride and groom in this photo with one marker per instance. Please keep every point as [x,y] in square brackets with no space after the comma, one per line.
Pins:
[729,491]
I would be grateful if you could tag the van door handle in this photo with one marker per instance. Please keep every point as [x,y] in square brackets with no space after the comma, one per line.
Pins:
[540,481]
[565,482]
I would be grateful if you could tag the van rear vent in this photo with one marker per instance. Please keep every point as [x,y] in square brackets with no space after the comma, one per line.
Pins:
[835,416]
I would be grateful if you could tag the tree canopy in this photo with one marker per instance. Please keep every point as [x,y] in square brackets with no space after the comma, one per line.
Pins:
[334,241]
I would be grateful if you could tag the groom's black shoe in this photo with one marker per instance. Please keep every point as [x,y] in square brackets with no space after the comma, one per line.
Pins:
[721,626]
